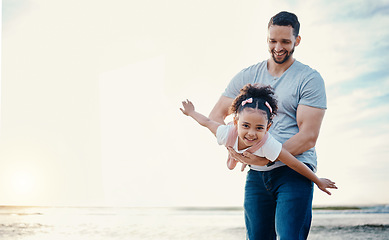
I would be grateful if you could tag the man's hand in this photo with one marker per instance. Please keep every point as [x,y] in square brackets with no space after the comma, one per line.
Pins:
[247,158]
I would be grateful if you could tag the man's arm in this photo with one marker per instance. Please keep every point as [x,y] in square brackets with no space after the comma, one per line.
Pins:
[309,120]
[220,110]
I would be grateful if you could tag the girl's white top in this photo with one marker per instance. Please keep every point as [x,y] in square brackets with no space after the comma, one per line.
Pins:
[270,150]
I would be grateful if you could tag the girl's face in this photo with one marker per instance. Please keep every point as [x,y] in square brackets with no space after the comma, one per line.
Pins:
[252,125]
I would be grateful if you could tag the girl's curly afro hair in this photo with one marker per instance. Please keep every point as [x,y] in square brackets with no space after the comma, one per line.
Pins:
[260,96]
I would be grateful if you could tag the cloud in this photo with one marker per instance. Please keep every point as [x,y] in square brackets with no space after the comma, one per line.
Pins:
[344,39]
[347,42]
[12,9]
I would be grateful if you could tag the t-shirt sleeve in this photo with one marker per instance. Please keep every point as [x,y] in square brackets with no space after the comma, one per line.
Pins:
[246,75]
[271,149]
[222,134]
[236,83]
[313,92]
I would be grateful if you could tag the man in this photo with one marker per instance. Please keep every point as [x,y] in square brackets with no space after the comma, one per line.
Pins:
[278,201]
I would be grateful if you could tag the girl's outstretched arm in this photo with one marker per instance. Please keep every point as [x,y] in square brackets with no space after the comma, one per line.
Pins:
[292,162]
[189,110]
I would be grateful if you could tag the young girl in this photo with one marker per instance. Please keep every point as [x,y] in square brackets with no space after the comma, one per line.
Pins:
[254,109]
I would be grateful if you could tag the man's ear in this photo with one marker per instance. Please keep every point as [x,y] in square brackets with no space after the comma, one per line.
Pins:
[269,125]
[298,40]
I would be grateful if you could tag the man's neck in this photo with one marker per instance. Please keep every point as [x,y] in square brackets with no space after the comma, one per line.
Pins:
[275,69]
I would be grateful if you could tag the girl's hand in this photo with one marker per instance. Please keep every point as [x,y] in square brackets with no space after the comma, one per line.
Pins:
[325,183]
[247,158]
[188,107]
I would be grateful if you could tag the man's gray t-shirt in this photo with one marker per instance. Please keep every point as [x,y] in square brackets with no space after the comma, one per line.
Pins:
[299,84]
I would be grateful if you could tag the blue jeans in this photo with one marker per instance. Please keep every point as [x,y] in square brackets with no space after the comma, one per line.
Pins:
[278,203]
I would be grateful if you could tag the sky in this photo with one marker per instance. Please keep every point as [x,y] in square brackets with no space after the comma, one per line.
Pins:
[91,90]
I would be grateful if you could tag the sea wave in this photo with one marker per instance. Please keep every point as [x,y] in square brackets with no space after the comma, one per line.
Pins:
[375,227]
[373,209]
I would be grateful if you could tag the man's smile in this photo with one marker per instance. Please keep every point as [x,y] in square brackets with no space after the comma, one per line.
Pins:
[280,53]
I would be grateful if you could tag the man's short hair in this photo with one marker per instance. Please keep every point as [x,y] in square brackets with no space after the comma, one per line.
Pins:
[286,19]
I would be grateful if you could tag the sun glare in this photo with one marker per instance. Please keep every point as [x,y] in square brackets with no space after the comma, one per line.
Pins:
[23,185]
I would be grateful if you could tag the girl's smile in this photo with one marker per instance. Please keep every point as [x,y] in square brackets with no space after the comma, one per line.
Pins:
[252,125]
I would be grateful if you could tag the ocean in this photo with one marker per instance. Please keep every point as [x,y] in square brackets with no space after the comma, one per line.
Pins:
[86,223]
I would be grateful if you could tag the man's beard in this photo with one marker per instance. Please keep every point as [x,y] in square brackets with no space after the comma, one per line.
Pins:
[288,54]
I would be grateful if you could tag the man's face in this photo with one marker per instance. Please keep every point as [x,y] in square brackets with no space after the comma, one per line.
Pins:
[281,43]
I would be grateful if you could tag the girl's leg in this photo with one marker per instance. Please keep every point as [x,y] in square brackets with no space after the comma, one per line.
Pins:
[259,206]
[294,204]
